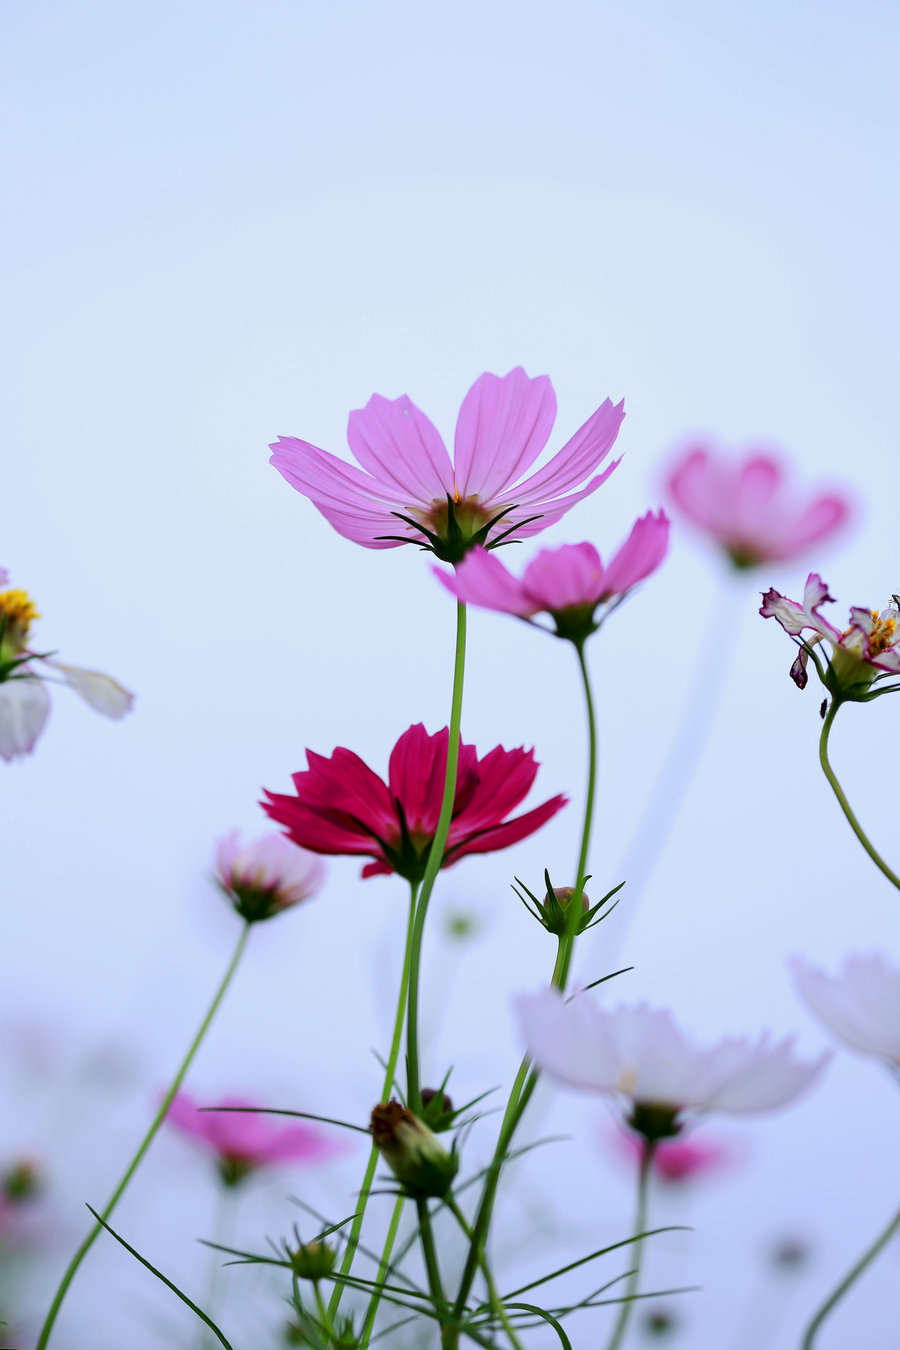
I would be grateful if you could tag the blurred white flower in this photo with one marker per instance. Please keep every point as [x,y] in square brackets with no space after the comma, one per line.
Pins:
[860,1005]
[639,1053]
[267,875]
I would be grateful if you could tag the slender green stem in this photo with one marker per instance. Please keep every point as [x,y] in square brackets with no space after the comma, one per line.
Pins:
[494,1298]
[526,1078]
[844,804]
[132,1167]
[640,1226]
[390,1074]
[432,867]
[383,1267]
[435,1284]
[325,1317]
[849,1279]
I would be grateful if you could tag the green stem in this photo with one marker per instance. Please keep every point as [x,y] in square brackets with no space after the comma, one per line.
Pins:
[844,804]
[389,1076]
[383,1267]
[428,1251]
[526,1078]
[640,1226]
[849,1280]
[432,866]
[494,1298]
[158,1119]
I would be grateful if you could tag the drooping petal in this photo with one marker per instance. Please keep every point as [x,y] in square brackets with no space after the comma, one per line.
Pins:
[481,579]
[24,709]
[504,424]
[352,501]
[401,449]
[100,692]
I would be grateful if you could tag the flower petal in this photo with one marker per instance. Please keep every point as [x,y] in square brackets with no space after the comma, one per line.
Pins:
[643,551]
[24,709]
[579,456]
[503,426]
[100,692]
[481,579]
[402,450]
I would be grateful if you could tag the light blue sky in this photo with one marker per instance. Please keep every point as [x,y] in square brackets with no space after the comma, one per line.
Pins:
[225,222]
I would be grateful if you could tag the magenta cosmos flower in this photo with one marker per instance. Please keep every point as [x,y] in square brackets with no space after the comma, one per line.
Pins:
[244,1141]
[342,807]
[748,509]
[677,1161]
[409,492]
[267,875]
[867,651]
[568,583]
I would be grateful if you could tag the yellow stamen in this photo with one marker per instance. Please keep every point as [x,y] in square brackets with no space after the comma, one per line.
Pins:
[19,611]
[883,635]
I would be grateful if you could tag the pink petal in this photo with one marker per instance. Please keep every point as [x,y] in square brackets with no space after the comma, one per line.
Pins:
[502,836]
[503,426]
[560,578]
[571,465]
[402,450]
[823,517]
[417,770]
[643,551]
[481,579]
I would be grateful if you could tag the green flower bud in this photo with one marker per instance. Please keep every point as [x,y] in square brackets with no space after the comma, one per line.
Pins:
[414,1154]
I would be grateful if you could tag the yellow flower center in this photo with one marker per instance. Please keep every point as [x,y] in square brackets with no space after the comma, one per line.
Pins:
[883,634]
[17,612]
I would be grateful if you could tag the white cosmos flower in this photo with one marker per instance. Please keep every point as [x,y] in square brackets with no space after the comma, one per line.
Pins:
[860,1005]
[641,1054]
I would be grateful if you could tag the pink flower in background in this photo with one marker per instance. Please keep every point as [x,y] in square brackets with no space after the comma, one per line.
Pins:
[409,492]
[860,1005]
[677,1161]
[641,1054]
[342,807]
[245,1141]
[867,650]
[568,582]
[267,875]
[748,509]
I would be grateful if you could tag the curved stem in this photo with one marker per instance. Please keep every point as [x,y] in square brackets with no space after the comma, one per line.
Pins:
[640,1226]
[132,1167]
[844,804]
[849,1279]
[390,1074]
[433,865]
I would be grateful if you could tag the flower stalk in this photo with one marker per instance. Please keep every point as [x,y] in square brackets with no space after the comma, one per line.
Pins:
[842,799]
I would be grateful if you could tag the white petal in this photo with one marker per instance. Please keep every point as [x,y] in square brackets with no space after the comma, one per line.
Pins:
[24,709]
[100,692]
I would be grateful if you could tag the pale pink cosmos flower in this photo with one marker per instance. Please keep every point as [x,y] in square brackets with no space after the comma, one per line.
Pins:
[24,700]
[569,582]
[243,1141]
[867,651]
[860,1005]
[641,1055]
[409,492]
[746,506]
[267,875]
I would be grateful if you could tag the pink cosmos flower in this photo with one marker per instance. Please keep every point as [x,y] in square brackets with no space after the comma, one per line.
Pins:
[267,875]
[867,651]
[408,491]
[245,1141]
[860,1005]
[569,583]
[641,1054]
[746,506]
[342,807]
[676,1161]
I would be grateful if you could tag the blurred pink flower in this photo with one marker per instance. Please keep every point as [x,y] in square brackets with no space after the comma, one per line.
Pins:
[267,875]
[869,648]
[342,807]
[748,509]
[245,1141]
[676,1160]
[567,582]
[408,492]
[641,1054]
[860,1005]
